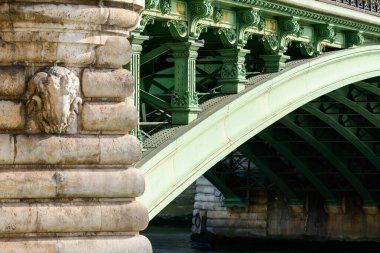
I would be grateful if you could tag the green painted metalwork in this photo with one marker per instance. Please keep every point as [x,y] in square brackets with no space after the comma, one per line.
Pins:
[147,97]
[192,150]
[323,32]
[184,103]
[188,33]
[230,198]
[240,24]
[300,166]
[348,134]
[371,88]
[374,119]
[154,54]
[307,15]
[267,170]
[134,67]
[233,72]
[335,161]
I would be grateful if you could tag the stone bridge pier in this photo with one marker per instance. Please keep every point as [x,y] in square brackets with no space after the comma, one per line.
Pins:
[67,180]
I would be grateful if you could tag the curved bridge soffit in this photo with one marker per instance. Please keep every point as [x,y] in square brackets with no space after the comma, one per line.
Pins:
[178,162]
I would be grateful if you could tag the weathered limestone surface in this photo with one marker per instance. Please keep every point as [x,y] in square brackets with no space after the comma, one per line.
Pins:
[11,115]
[12,82]
[85,244]
[70,183]
[105,83]
[102,117]
[270,216]
[67,180]
[210,216]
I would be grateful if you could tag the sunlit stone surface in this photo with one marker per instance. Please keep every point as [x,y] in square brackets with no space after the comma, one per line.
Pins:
[67,176]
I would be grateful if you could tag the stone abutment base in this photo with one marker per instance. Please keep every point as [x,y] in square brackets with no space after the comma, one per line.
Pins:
[269,216]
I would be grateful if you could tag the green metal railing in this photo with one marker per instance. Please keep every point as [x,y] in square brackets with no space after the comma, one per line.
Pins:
[367,6]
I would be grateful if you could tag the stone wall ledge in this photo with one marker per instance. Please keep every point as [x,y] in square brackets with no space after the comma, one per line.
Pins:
[73,217]
[71,183]
[85,244]
[90,13]
[69,150]
[73,49]
[136,5]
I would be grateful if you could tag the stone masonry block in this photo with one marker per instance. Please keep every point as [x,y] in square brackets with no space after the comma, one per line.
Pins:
[56,150]
[6,149]
[115,216]
[12,115]
[27,183]
[12,81]
[106,83]
[114,53]
[111,183]
[70,183]
[62,217]
[119,150]
[121,216]
[88,244]
[18,217]
[109,117]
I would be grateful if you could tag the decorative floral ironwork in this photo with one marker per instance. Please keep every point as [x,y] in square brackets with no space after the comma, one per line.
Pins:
[151,4]
[369,6]
[184,99]
[199,9]
[307,48]
[217,15]
[288,27]
[247,18]
[354,39]
[232,70]
[227,36]
[165,6]
[177,28]
[270,43]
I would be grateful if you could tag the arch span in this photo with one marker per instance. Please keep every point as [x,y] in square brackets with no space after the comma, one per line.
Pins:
[174,165]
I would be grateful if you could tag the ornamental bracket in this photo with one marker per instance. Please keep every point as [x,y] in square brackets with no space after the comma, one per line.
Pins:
[288,27]
[323,32]
[354,39]
[199,9]
[246,19]
[178,29]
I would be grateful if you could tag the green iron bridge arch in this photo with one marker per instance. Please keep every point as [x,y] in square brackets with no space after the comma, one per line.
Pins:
[308,92]
[283,86]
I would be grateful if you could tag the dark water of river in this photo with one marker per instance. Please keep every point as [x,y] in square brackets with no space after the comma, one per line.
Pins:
[172,239]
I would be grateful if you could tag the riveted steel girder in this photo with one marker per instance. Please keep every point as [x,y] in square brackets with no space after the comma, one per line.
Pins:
[349,135]
[334,160]
[300,165]
[374,119]
[275,177]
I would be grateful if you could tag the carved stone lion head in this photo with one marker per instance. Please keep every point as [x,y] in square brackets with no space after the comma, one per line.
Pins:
[53,100]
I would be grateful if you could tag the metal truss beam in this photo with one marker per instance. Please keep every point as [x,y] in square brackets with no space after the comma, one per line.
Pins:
[369,87]
[364,148]
[373,118]
[300,165]
[267,170]
[335,161]
[149,98]
[230,198]
[147,57]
